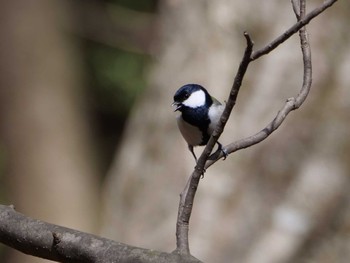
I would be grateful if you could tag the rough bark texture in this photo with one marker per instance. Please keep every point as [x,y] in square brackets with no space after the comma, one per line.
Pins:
[62,244]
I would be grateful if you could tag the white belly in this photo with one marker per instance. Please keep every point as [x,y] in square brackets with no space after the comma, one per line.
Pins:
[191,134]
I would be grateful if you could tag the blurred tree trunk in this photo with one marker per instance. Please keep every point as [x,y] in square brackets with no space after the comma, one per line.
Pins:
[275,202]
[50,172]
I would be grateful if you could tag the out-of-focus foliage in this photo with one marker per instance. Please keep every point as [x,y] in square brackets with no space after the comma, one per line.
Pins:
[144,6]
[70,62]
[116,76]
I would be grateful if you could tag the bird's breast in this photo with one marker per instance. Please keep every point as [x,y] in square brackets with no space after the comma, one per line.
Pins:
[192,134]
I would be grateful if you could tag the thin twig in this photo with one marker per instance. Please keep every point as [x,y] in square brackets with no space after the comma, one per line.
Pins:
[291,103]
[296,8]
[292,30]
[188,194]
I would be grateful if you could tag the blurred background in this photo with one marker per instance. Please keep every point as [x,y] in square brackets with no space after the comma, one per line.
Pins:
[88,138]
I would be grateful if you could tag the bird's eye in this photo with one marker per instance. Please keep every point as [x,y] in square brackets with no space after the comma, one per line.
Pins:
[187,95]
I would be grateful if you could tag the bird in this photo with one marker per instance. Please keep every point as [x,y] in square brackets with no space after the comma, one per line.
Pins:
[199,115]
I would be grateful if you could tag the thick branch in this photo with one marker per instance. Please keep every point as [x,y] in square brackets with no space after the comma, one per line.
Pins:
[62,244]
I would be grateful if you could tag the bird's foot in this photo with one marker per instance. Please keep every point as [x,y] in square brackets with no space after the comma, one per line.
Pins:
[223,150]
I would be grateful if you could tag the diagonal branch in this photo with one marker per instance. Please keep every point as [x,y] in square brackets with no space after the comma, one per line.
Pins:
[188,194]
[291,103]
[292,30]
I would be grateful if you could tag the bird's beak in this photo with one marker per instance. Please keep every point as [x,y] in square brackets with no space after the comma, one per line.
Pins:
[178,105]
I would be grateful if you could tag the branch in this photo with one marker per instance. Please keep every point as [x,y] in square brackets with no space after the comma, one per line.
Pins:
[57,243]
[291,103]
[292,30]
[188,194]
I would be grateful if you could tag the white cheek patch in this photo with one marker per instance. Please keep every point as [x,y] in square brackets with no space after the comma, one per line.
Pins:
[197,99]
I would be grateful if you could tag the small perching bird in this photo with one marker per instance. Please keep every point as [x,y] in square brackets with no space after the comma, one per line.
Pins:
[199,116]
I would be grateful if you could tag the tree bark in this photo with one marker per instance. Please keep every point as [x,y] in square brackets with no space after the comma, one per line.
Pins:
[37,238]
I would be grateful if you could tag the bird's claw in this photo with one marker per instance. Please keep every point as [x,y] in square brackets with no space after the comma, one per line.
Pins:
[223,150]
[225,153]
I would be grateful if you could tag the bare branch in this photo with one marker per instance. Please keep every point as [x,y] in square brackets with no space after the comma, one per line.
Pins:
[292,30]
[62,244]
[57,243]
[291,103]
[296,8]
[188,194]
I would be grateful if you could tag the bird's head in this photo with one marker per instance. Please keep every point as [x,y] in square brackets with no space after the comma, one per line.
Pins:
[191,96]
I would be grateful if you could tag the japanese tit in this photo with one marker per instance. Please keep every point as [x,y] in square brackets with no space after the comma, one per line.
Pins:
[200,113]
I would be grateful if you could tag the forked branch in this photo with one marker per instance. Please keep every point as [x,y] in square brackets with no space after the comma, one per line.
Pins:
[291,103]
[188,194]
[53,242]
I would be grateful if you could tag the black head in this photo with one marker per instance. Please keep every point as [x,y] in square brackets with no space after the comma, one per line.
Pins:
[192,96]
